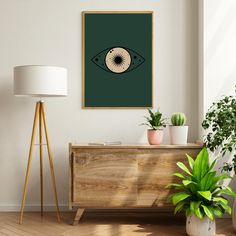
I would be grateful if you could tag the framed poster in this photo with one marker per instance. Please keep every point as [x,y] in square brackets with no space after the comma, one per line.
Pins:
[117,59]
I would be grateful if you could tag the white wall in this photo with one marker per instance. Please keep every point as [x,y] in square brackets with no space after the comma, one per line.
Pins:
[219,49]
[218,58]
[49,32]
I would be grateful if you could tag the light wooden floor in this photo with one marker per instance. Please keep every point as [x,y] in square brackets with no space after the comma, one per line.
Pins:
[101,224]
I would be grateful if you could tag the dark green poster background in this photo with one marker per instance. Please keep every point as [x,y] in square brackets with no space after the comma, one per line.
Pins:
[104,31]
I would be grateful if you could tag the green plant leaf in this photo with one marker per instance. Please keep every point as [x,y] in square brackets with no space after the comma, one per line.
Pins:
[188,212]
[179,175]
[229,189]
[207,181]
[178,197]
[190,161]
[187,182]
[179,207]
[212,164]
[198,213]
[194,205]
[227,192]
[220,199]
[201,164]
[183,167]
[206,194]
[155,120]
[208,212]
[217,212]
[222,177]
[179,186]
[226,207]
[217,179]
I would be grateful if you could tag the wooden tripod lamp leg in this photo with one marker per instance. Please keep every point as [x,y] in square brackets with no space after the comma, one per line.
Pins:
[50,161]
[29,161]
[41,155]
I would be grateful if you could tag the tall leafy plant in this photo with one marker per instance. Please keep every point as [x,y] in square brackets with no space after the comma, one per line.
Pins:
[199,191]
[155,120]
[220,122]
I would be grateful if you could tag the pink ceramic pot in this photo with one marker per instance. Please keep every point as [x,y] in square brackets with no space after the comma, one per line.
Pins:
[155,137]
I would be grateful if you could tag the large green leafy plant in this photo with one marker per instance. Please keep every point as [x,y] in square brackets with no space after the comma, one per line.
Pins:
[155,120]
[199,191]
[220,122]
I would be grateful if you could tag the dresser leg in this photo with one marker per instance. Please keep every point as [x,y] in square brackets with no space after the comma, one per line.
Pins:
[78,215]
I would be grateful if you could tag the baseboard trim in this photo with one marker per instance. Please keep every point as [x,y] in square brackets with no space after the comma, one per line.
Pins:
[65,208]
[36,208]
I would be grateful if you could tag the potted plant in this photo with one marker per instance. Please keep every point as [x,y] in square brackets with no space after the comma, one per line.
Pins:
[178,131]
[199,194]
[220,124]
[156,124]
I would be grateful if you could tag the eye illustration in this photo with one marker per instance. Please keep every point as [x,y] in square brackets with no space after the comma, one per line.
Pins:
[118,60]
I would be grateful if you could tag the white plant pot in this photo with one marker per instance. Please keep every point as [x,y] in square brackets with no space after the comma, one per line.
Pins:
[198,227]
[178,134]
[234,215]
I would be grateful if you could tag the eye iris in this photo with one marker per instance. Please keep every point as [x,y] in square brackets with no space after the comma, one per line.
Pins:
[118,60]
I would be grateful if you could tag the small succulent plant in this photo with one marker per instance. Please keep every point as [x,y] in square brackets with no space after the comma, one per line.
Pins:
[178,119]
[155,120]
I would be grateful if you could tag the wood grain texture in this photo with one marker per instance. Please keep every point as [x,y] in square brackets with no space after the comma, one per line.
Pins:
[70,171]
[78,215]
[105,178]
[29,161]
[137,146]
[155,169]
[131,176]
[102,224]
[39,115]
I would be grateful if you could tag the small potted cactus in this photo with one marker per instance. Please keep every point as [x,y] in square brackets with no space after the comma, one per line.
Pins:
[178,131]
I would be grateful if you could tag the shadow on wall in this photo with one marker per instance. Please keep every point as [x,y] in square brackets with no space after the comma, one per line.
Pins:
[191,71]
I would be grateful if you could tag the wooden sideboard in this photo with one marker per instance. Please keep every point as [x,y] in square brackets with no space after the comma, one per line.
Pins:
[123,176]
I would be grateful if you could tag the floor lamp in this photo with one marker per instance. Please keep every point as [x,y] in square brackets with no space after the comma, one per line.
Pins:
[40,81]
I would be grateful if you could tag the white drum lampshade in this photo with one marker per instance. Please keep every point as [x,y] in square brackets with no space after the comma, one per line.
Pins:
[40,81]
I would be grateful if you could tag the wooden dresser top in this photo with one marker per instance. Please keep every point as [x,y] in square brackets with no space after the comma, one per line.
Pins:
[136,146]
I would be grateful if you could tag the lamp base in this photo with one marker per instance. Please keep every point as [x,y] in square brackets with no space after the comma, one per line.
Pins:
[40,115]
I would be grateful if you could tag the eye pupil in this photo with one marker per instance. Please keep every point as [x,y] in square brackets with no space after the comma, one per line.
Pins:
[96,59]
[135,57]
[118,59]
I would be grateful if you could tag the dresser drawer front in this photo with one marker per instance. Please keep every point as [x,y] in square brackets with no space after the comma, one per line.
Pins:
[104,178]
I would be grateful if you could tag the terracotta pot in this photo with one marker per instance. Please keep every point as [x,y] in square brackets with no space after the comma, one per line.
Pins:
[155,137]
[178,134]
[197,227]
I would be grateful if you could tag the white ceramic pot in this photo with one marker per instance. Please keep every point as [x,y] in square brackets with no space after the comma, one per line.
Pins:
[198,227]
[178,134]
